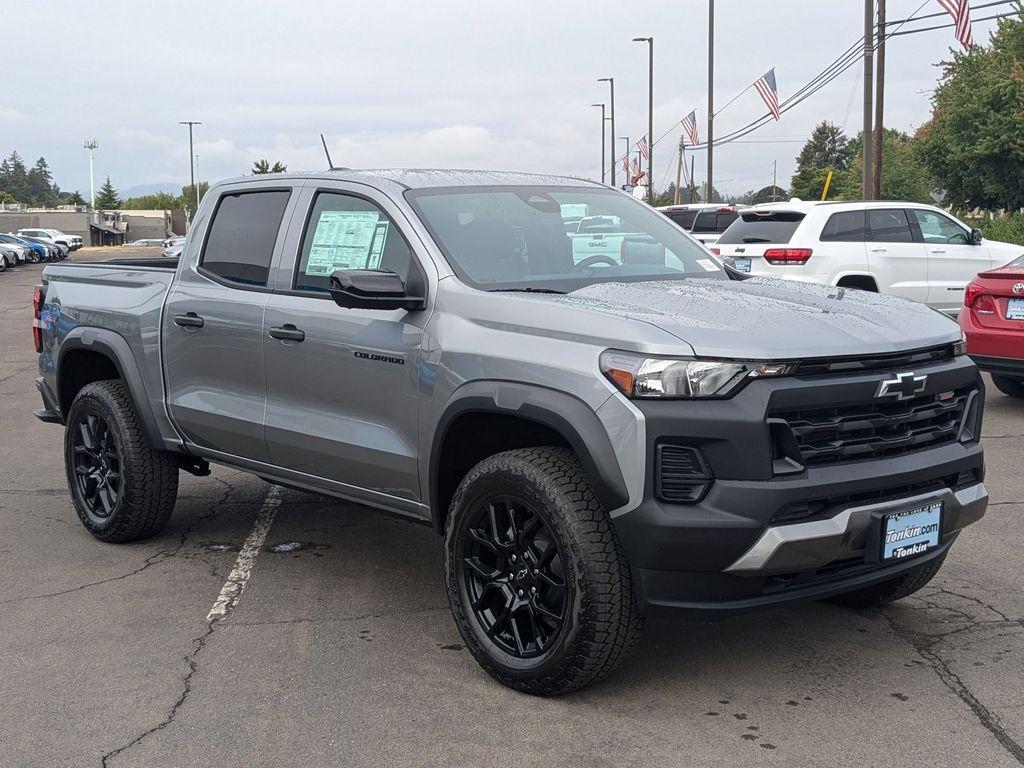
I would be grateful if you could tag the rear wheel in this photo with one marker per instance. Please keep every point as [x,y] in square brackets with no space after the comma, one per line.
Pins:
[537,582]
[1009,385]
[3,263]
[122,489]
[895,589]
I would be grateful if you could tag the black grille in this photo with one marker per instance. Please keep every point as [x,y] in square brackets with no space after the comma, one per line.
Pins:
[846,365]
[681,476]
[875,429]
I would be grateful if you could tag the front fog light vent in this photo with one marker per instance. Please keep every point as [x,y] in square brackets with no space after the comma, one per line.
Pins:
[681,474]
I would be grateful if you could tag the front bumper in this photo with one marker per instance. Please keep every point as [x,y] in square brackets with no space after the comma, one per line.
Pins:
[763,534]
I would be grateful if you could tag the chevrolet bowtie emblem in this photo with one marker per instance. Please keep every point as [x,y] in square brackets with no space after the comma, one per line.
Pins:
[903,386]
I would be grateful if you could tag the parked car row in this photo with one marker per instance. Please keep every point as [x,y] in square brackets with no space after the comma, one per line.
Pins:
[173,247]
[704,221]
[55,236]
[19,249]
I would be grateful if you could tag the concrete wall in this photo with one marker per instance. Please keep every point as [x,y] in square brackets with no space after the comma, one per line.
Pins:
[139,224]
[68,222]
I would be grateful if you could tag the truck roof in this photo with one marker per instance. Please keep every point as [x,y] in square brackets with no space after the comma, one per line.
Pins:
[423,178]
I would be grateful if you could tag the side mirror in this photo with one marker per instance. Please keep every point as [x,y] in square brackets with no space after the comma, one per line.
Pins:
[976,237]
[372,289]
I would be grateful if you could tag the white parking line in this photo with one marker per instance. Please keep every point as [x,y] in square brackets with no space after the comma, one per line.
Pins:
[239,576]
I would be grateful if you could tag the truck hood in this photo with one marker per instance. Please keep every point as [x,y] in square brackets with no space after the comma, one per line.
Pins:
[771,319]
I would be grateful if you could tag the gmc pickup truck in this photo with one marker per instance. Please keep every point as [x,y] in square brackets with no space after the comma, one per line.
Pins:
[595,440]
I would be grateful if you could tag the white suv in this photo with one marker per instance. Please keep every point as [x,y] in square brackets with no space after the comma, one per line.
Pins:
[73,242]
[905,249]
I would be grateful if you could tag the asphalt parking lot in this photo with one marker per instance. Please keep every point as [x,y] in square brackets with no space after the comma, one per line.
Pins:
[341,649]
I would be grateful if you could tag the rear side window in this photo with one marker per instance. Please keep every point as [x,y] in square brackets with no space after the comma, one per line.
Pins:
[713,222]
[776,227]
[844,227]
[241,241]
[889,225]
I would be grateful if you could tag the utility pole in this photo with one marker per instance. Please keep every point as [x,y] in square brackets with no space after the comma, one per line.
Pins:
[868,151]
[879,102]
[650,115]
[611,84]
[693,184]
[191,161]
[625,139]
[604,141]
[711,99]
[91,144]
[775,176]
[679,173]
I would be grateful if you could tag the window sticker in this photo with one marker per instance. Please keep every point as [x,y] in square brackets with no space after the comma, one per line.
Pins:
[708,265]
[346,240]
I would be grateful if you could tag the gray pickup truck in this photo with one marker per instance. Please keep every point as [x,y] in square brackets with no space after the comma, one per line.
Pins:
[595,439]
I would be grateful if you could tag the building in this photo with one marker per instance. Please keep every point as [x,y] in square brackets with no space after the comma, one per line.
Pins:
[97,227]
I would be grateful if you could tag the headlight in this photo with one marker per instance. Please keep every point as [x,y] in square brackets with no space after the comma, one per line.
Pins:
[667,377]
[960,347]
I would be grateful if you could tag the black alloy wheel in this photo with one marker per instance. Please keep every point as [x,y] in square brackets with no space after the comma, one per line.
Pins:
[97,466]
[514,577]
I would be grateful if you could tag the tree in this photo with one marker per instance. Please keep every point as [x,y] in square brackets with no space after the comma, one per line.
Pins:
[826,148]
[768,194]
[161,201]
[14,177]
[187,198]
[107,198]
[74,198]
[263,165]
[39,180]
[973,144]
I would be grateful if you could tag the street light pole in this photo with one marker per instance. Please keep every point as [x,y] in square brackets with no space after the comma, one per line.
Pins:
[650,115]
[625,171]
[91,144]
[604,141]
[191,161]
[711,100]
[611,84]
[869,76]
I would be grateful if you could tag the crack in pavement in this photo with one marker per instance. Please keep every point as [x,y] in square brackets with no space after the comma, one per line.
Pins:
[924,644]
[155,559]
[338,620]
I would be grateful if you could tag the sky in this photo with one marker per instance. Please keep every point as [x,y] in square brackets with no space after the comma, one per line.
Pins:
[449,83]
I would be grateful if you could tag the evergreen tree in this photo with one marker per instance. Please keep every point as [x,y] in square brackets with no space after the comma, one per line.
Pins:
[826,148]
[74,198]
[14,177]
[107,198]
[39,181]
[263,165]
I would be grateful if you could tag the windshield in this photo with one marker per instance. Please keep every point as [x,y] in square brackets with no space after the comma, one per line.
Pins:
[516,238]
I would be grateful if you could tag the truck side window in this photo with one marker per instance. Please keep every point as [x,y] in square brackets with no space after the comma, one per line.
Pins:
[889,225]
[844,227]
[241,241]
[347,232]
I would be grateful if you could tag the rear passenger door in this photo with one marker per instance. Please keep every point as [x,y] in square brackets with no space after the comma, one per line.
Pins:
[842,241]
[213,323]
[342,392]
[895,258]
[952,260]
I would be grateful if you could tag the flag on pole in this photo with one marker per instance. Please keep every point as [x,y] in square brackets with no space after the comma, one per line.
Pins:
[634,169]
[961,13]
[625,163]
[767,87]
[644,149]
[689,124]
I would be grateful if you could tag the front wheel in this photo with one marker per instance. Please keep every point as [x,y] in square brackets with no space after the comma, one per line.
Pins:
[122,489]
[1009,385]
[537,581]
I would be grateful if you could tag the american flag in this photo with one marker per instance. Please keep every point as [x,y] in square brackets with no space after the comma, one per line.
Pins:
[961,13]
[689,124]
[644,149]
[769,91]
[625,163]
[634,168]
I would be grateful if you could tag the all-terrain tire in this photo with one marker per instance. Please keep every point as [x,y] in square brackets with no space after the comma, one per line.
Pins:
[1009,385]
[895,589]
[147,484]
[601,624]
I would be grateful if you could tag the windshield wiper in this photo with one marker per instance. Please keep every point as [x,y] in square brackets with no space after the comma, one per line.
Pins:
[526,289]
[756,240]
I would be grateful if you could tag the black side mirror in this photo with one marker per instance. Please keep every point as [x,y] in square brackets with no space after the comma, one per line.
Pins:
[976,237]
[372,289]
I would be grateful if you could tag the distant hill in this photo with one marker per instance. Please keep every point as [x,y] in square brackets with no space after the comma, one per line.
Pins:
[149,189]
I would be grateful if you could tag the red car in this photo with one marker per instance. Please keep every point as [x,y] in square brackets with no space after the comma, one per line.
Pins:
[993,321]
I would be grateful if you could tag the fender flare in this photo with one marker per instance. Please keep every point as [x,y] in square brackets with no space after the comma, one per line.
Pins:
[566,414]
[116,349]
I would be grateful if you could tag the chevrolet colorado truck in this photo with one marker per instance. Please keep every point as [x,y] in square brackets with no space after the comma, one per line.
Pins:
[595,440]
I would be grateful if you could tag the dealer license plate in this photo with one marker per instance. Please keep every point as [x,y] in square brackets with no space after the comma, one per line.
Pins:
[905,534]
[741,264]
[1015,309]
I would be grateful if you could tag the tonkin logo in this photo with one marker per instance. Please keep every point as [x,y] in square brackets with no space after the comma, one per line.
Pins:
[1018,287]
[903,386]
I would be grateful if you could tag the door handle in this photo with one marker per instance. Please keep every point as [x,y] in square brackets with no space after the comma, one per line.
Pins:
[938,250]
[189,320]
[287,332]
[877,250]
